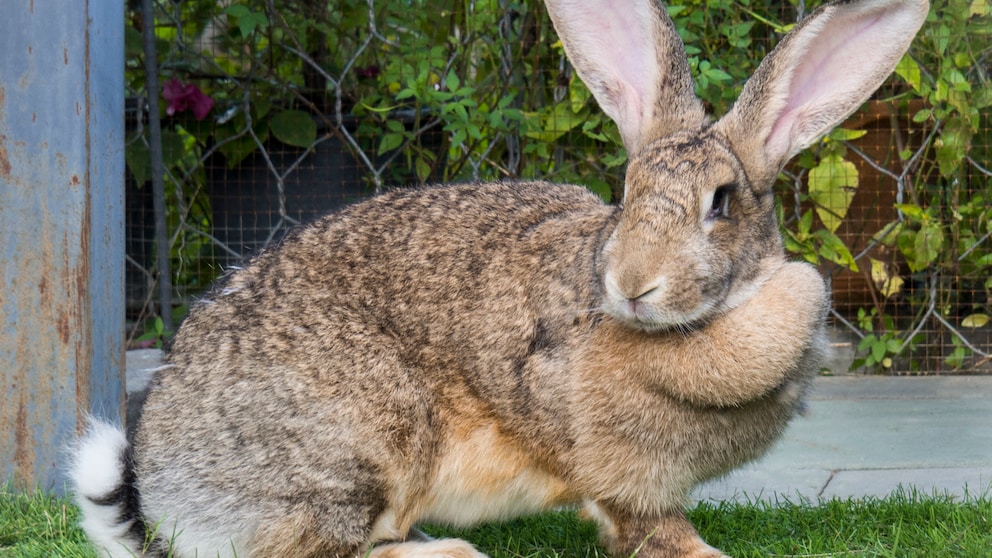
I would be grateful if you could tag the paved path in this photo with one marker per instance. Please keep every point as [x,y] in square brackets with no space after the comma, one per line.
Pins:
[863,436]
[869,435]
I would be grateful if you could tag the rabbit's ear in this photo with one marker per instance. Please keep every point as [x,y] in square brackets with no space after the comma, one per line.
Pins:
[634,63]
[820,73]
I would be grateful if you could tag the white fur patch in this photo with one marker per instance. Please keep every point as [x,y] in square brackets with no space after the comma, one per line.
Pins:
[98,470]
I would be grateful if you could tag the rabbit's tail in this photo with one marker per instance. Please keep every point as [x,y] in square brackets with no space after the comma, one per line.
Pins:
[105,491]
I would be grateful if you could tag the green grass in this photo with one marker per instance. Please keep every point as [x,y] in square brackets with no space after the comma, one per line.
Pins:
[39,525]
[904,525]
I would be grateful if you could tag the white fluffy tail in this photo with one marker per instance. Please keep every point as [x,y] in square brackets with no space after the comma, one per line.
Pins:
[101,473]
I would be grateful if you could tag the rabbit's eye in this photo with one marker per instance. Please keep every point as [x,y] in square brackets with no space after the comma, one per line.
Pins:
[721,202]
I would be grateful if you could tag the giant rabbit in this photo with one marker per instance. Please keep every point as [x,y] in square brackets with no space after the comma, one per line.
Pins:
[466,353]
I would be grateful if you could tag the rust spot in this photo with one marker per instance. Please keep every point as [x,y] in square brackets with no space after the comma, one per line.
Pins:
[5,167]
[43,288]
[65,56]
[23,456]
[74,180]
[63,328]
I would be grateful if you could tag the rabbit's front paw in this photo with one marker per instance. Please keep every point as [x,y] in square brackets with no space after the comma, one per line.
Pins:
[797,294]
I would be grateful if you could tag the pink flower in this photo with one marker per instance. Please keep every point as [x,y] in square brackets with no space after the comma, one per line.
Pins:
[181,97]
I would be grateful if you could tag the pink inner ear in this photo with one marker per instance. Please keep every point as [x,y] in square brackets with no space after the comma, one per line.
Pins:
[612,44]
[842,63]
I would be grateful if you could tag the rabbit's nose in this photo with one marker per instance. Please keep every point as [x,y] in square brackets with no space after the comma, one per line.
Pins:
[629,285]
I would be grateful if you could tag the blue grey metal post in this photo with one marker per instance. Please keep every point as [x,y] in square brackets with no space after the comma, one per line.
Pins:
[61,230]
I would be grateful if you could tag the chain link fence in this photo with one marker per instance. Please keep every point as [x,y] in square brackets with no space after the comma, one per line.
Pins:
[276,112]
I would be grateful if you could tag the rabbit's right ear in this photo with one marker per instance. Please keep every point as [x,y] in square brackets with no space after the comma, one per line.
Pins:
[819,74]
[631,58]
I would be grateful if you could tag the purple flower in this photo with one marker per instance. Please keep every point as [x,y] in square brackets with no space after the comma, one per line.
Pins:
[368,72]
[181,97]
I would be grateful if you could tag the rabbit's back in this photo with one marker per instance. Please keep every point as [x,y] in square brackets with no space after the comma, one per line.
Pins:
[455,274]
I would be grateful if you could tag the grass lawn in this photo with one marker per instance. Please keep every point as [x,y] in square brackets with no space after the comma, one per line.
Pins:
[902,525]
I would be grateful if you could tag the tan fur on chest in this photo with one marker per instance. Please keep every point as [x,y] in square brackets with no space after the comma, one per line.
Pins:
[480,475]
[484,476]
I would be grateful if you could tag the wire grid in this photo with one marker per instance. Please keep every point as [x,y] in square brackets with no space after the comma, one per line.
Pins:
[237,186]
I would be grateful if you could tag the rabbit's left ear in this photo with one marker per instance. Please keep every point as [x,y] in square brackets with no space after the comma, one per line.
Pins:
[820,73]
[633,61]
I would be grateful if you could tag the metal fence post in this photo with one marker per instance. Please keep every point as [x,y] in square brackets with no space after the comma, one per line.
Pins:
[61,230]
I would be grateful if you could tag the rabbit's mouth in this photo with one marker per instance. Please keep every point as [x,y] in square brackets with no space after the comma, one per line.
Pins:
[649,318]
[662,307]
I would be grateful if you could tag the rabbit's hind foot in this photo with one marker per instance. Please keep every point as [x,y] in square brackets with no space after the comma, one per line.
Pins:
[443,548]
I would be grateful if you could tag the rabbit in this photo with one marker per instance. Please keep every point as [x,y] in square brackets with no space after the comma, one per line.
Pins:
[467,353]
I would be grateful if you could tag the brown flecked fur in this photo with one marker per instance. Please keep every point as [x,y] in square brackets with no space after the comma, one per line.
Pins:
[475,352]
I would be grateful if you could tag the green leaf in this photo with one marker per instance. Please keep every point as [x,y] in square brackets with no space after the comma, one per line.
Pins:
[236,150]
[984,261]
[560,121]
[922,115]
[953,145]
[473,131]
[888,284]
[975,320]
[891,232]
[805,224]
[956,358]
[832,185]
[247,19]
[138,157]
[134,44]
[927,245]
[717,75]
[578,94]
[173,148]
[452,82]
[866,342]
[906,242]
[294,127]
[878,350]
[833,249]
[423,168]
[390,142]
[909,70]
[600,188]
[843,134]
[912,211]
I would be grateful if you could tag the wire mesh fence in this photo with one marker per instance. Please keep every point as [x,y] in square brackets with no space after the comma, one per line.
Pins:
[277,112]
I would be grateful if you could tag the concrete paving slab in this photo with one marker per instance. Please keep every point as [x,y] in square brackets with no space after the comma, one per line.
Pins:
[140,364]
[873,435]
[858,387]
[866,434]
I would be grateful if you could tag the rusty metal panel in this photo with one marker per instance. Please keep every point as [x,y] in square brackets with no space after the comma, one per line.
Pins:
[61,230]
